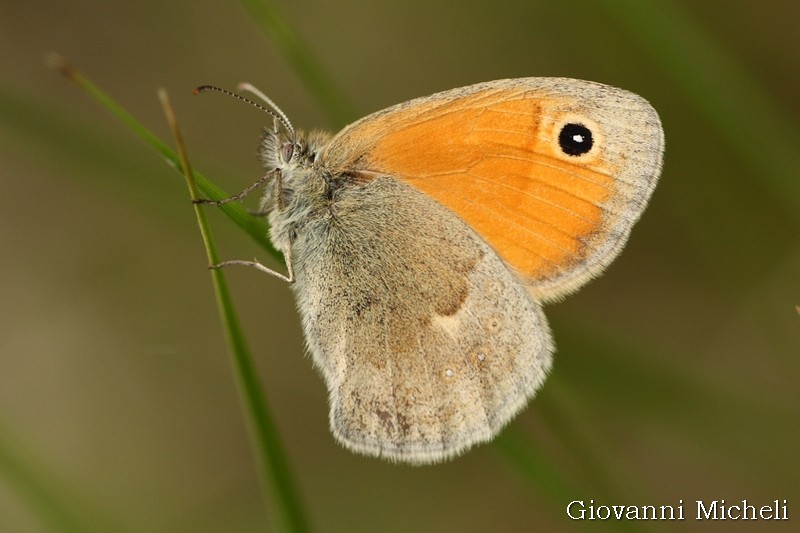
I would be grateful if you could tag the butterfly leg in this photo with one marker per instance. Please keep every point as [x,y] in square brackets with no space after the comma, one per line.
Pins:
[247,190]
[287,257]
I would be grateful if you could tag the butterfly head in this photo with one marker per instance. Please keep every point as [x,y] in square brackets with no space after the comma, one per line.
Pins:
[299,189]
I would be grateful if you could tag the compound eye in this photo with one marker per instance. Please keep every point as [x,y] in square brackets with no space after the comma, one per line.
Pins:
[287,151]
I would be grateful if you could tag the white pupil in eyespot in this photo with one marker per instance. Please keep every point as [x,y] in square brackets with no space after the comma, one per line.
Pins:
[575,139]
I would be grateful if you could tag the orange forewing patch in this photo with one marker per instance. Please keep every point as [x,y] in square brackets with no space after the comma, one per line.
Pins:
[490,158]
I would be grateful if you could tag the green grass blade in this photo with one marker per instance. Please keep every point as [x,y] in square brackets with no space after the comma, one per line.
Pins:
[299,56]
[254,227]
[275,473]
[744,114]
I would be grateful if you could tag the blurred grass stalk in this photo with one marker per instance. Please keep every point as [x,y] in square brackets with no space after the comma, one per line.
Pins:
[309,69]
[254,227]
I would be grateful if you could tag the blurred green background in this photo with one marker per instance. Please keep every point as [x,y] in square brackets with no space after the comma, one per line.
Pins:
[676,375]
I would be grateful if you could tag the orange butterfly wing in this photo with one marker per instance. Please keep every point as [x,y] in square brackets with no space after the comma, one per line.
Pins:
[491,153]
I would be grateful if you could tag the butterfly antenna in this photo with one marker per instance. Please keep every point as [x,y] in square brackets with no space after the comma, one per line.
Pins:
[253,90]
[274,112]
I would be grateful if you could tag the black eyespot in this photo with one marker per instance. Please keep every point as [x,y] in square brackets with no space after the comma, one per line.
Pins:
[575,139]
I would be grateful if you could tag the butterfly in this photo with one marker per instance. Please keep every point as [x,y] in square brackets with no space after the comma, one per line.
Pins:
[421,242]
